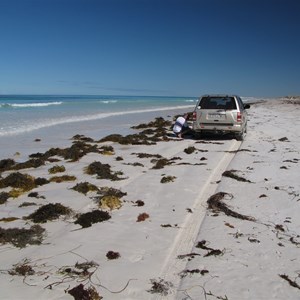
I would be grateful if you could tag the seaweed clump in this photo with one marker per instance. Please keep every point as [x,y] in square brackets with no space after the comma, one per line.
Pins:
[85,187]
[161,163]
[18,180]
[57,169]
[215,203]
[166,179]
[160,287]
[3,197]
[80,293]
[189,150]
[89,218]
[20,237]
[102,171]
[59,179]
[49,212]
[231,174]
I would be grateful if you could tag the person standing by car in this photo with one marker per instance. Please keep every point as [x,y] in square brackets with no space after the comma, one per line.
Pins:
[181,126]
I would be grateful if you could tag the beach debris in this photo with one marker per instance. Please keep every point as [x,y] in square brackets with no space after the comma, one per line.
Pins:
[79,292]
[189,150]
[87,219]
[57,169]
[119,158]
[41,181]
[48,212]
[20,237]
[136,164]
[112,255]
[82,138]
[161,163]
[283,139]
[109,191]
[142,217]
[35,195]
[231,174]
[60,179]
[190,256]
[216,204]
[85,187]
[166,179]
[102,171]
[6,164]
[211,251]
[147,155]
[139,203]
[107,150]
[3,197]
[18,180]
[184,273]
[160,287]
[292,283]
[110,202]
[25,204]
[9,219]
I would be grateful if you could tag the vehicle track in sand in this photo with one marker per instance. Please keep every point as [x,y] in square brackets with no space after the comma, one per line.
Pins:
[185,239]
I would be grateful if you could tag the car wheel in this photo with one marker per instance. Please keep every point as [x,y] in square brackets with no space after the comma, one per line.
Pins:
[241,135]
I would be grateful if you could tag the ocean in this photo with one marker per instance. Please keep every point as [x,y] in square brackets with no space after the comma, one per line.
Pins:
[55,119]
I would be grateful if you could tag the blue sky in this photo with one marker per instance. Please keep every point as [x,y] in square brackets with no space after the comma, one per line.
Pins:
[150,47]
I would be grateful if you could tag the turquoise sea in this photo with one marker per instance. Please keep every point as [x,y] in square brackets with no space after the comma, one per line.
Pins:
[20,114]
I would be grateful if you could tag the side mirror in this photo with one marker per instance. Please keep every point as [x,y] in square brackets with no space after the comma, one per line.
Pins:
[246,106]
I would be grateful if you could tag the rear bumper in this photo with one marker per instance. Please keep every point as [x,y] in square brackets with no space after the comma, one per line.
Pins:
[218,128]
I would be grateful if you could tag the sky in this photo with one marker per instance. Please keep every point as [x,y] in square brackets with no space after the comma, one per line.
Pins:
[150,47]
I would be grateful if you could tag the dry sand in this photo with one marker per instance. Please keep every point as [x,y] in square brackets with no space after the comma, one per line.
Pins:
[163,240]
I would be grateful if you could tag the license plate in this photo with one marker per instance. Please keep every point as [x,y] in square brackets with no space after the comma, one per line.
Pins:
[216,116]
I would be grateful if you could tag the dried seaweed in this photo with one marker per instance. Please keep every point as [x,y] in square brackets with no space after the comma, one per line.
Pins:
[49,212]
[112,255]
[80,293]
[142,217]
[290,281]
[215,203]
[189,150]
[161,163]
[103,171]
[89,218]
[166,179]
[3,197]
[18,180]
[160,287]
[59,179]
[20,237]
[56,169]
[85,187]
[231,174]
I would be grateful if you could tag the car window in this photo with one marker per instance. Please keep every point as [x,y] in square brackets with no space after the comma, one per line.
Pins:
[226,103]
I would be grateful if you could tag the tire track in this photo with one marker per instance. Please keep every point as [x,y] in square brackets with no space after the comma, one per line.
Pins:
[185,239]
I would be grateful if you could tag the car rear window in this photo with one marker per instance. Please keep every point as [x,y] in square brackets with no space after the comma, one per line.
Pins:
[226,103]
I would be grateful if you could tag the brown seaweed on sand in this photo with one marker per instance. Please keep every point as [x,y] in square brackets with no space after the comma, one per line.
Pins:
[216,204]
[102,171]
[89,218]
[231,174]
[20,237]
[49,212]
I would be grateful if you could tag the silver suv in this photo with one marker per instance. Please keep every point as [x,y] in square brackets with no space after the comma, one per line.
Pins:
[221,114]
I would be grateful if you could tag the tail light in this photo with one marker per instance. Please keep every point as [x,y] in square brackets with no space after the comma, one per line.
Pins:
[239,117]
[194,116]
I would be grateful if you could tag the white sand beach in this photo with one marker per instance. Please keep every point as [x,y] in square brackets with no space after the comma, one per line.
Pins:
[159,237]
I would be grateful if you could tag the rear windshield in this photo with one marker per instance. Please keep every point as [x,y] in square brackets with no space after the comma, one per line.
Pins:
[218,103]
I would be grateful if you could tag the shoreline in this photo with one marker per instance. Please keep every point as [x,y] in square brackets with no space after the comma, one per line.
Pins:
[132,255]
